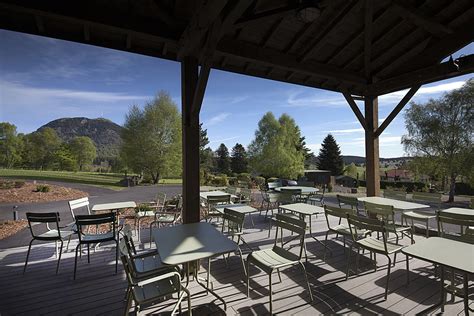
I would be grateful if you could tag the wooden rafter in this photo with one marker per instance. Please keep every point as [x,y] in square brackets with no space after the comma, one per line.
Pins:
[441,71]
[267,15]
[419,19]
[355,109]
[277,59]
[396,110]
[369,8]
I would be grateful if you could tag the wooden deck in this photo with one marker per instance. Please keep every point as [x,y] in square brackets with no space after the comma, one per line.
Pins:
[98,290]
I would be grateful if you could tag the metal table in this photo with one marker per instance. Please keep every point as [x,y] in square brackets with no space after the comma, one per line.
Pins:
[204,195]
[240,208]
[459,211]
[398,205]
[304,210]
[187,243]
[113,206]
[304,190]
[447,253]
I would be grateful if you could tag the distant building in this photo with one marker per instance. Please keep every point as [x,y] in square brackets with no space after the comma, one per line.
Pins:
[346,181]
[318,176]
[398,175]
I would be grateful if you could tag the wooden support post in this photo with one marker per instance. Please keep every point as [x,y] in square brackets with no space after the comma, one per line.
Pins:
[372,175]
[190,134]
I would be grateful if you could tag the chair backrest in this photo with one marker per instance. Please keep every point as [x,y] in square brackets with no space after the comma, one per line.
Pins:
[295,226]
[75,205]
[128,238]
[86,221]
[245,194]
[160,198]
[433,198]
[347,200]
[333,211]
[272,197]
[218,199]
[234,220]
[396,195]
[385,213]
[43,218]
[286,197]
[357,223]
[231,190]
[460,222]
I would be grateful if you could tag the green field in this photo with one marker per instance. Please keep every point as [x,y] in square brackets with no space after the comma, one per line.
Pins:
[107,180]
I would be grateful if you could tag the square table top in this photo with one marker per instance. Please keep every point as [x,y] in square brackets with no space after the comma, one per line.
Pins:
[189,242]
[303,208]
[447,252]
[399,205]
[114,206]
[240,208]
[459,211]
[204,195]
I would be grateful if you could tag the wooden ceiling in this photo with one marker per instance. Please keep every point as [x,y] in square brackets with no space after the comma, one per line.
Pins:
[364,47]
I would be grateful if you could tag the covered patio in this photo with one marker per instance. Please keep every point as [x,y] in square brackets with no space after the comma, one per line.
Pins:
[362,49]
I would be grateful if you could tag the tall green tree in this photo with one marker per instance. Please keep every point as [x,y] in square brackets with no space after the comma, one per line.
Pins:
[442,130]
[239,159]
[152,138]
[223,159]
[206,155]
[64,158]
[40,148]
[330,156]
[274,151]
[83,150]
[10,145]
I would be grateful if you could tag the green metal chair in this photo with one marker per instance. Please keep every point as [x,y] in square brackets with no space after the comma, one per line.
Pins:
[86,237]
[155,206]
[245,196]
[350,201]
[148,290]
[212,202]
[232,226]
[342,229]
[396,195]
[282,198]
[373,245]
[317,198]
[170,214]
[410,217]
[277,257]
[52,234]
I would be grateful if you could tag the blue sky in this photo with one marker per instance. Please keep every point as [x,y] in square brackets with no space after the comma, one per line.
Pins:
[43,79]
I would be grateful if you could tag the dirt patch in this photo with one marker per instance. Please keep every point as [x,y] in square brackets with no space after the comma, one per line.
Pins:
[9,228]
[27,194]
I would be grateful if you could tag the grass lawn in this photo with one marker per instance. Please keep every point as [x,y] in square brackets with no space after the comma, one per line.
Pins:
[107,180]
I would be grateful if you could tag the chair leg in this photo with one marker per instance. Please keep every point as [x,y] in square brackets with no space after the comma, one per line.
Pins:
[129,303]
[68,241]
[116,255]
[279,275]
[59,257]
[348,261]
[241,259]
[388,276]
[88,254]
[271,292]
[307,281]
[357,261]
[27,256]
[325,245]
[375,262]
[248,277]
[75,261]
[408,271]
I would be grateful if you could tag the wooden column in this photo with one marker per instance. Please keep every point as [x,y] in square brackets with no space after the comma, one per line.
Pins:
[372,175]
[190,136]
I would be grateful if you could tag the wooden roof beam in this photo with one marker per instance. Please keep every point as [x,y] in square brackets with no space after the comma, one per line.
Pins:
[355,108]
[267,15]
[450,69]
[368,15]
[271,57]
[419,19]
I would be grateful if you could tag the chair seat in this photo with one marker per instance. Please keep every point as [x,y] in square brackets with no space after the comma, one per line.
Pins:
[148,264]
[165,218]
[418,215]
[153,290]
[91,238]
[145,214]
[345,230]
[377,245]
[53,234]
[270,259]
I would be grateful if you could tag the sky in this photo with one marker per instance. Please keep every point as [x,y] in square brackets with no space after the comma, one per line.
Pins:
[43,79]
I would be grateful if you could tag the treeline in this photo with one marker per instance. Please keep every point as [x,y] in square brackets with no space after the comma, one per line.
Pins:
[43,150]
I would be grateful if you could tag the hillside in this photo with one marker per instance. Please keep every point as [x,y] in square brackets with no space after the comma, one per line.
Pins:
[104,133]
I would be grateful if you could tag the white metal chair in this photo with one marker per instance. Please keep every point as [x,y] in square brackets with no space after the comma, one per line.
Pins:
[149,210]
[169,214]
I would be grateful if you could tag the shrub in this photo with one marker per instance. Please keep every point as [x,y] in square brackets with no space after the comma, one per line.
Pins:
[259,182]
[401,185]
[464,189]
[244,177]
[42,188]
[272,179]
[220,181]
[143,208]
[19,184]
[233,181]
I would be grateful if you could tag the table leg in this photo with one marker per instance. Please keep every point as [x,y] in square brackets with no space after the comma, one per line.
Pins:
[209,290]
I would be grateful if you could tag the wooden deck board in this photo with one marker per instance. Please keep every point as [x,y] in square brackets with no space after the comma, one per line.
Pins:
[98,290]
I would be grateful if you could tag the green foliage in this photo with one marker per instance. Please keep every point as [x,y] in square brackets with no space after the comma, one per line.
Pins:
[406,186]
[351,170]
[276,151]
[441,130]
[10,145]
[272,179]
[42,188]
[244,177]
[64,159]
[143,208]
[152,138]
[330,156]
[220,181]
[7,184]
[40,148]
[259,182]
[83,149]
[223,160]
[239,159]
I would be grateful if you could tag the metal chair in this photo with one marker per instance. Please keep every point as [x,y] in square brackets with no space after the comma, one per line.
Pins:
[169,215]
[154,206]
[105,220]
[350,201]
[212,202]
[357,223]
[277,257]
[235,224]
[151,289]
[78,205]
[317,197]
[51,234]
[245,196]
[396,195]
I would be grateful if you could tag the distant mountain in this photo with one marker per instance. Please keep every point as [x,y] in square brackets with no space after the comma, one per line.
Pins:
[104,133]
[387,161]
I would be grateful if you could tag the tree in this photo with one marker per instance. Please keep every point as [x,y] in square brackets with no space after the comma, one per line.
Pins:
[152,138]
[10,145]
[239,160]
[83,150]
[351,170]
[274,150]
[223,159]
[330,156]
[206,155]
[64,159]
[40,148]
[441,130]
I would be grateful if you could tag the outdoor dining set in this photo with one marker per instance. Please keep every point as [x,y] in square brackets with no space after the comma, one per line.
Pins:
[367,226]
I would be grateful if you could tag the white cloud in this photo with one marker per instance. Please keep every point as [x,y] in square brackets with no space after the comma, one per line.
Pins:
[346,131]
[217,119]
[424,91]
[223,140]
[316,99]
[314,148]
